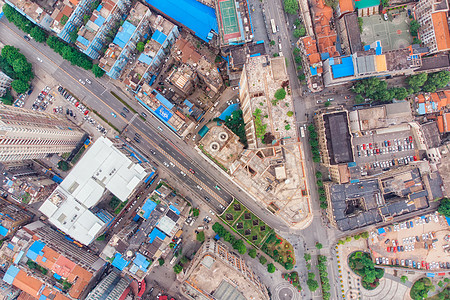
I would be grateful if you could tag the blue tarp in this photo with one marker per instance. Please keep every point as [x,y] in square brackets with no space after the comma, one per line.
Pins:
[344,69]
[35,250]
[141,262]
[381,231]
[148,207]
[42,297]
[57,276]
[149,177]
[256,54]
[19,257]
[136,218]
[430,274]
[119,262]
[10,246]
[366,47]
[228,111]
[156,233]
[448,220]
[123,36]
[313,70]
[163,100]
[3,231]
[57,179]
[199,18]
[174,209]
[10,274]
[83,40]
[217,237]
[159,37]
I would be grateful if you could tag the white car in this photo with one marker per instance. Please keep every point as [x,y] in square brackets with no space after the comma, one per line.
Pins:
[81,81]
[88,81]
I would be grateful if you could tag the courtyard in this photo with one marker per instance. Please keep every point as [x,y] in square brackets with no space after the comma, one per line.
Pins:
[393,34]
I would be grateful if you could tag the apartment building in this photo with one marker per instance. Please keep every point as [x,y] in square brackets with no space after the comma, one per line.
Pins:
[74,20]
[213,268]
[5,83]
[93,36]
[26,134]
[123,47]
[432,16]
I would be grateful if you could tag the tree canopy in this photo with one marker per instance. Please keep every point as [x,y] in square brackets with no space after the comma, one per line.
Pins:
[377,89]
[313,285]
[271,268]
[252,253]
[414,27]
[140,47]
[236,124]
[291,6]
[421,288]
[362,264]
[280,94]
[444,207]
[429,82]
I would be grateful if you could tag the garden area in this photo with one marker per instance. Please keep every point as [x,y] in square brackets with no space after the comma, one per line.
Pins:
[246,223]
[361,263]
[293,279]
[280,250]
[421,288]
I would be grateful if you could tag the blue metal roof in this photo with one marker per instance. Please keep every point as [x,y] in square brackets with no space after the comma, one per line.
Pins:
[159,37]
[10,274]
[228,111]
[99,21]
[313,70]
[199,18]
[123,36]
[156,233]
[203,131]
[141,261]
[148,207]
[119,262]
[188,103]
[83,40]
[35,250]
[145,59]
[421,110]
[344,69]
[163,100]
[174,209]
[324,55]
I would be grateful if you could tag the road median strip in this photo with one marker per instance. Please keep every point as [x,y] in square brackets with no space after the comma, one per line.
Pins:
[127,105]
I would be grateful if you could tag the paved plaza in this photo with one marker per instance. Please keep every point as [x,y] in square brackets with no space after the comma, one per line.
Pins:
[393,34]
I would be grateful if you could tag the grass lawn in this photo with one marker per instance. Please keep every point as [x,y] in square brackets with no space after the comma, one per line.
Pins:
[233,212]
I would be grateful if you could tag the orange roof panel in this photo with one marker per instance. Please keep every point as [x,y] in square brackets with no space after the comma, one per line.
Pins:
[440,123]
[346,6]
[447,122]
[441,30]
[27,284]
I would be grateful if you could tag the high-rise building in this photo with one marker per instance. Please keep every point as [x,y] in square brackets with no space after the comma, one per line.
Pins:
[5,83]
[26,134]
[434,31]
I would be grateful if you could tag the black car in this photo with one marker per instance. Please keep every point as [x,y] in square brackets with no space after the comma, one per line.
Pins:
[152,152]
[138,135]
[126,109]
[123,115]
[137,140]
[26,37]
[71,113]
[448,265]
[60,88]
[30,90]
[143,114]
[67,111]
[207,199]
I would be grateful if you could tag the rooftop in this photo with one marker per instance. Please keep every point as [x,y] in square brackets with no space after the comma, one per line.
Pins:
[338,137]
[103,167]
[441,30]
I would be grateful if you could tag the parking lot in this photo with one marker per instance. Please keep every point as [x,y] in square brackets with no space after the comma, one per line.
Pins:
[383,151]
[420,243]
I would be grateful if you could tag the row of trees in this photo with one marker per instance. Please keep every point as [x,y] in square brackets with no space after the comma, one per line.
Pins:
[362,264]
[314,143]
[323,274]
[376,89]
[298,61]
[444,207]
[15,65]
[363,235]
[321,190]
[68,52]
[237,244]
[311,282]
[428,82]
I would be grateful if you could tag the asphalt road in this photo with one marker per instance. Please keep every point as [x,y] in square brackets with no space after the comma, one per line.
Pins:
[97,96]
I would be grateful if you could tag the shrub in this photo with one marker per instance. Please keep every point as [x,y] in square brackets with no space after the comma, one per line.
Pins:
[271,268]
[280,94]
[262,260]
[252,253]
[161,261]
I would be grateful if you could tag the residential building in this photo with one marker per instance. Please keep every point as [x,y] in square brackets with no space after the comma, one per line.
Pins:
[367,7]
[111,287]
[5,83]
[105,20]
[371,62]
[311,62]
[184,78]
[350,34]
[432,103]
[155,51]
[213,268]
[7,291]
[123,47]
[322,18]
[434,30]
[48,248]
[11,218]
[27,134]
[104,167]
[198,18]
[344,7]
[75,19]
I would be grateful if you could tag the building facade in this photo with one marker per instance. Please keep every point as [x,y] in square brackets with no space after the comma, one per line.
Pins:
[5,83]
[110,288]
[26,134]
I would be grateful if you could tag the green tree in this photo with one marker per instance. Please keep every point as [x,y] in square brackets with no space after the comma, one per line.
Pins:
[444,207]
[403,279]
[421,288]
[327,103]
[252,253]
[276,54]
[98,72]
[183,260]
[240,246]
[38,34]
[271,268]
[201,236]
[359,99]
[414,27]
[20,86]
[73,35]
[63,165]
[140,47]
[291,6]
[288,265]
[272,43]
[161,261]
[7,98]
[319,245]
[177,269]
[311,275]
[298,33]
[101,238]
[360,24]
[195,212]
[365,235]
[307,256]
[262,260]
[280,94]
[313,285]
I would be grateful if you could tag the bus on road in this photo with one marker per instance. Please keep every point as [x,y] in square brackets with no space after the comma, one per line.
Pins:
[274,28]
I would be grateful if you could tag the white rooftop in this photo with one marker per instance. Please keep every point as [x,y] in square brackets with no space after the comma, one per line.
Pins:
[103,167]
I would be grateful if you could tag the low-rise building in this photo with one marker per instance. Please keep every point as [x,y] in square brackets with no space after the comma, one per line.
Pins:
[123,47]
[212,270]
[112,286]
[184,78]
[367,7]
[104,167]
[311,62]
[11,218]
